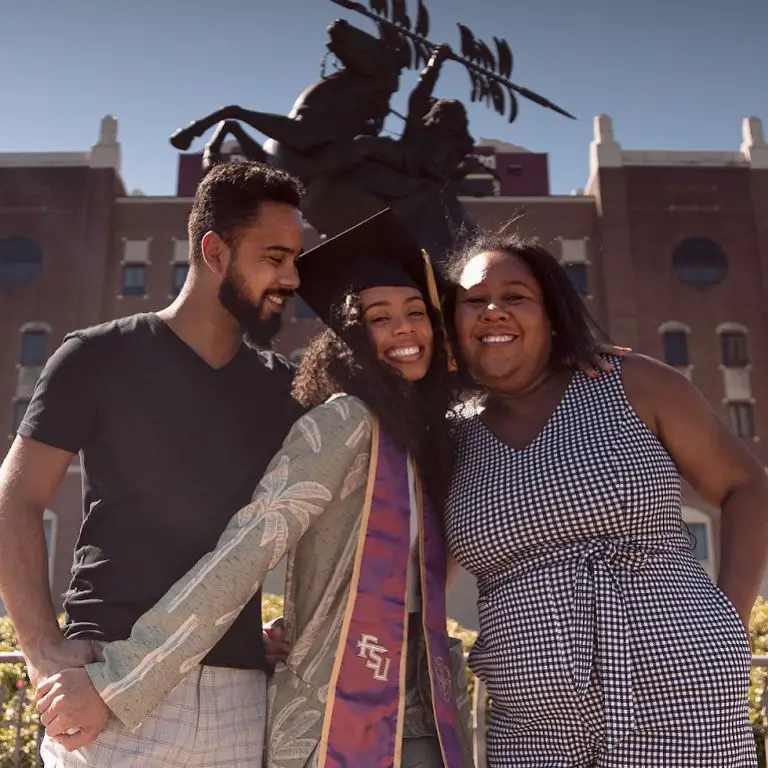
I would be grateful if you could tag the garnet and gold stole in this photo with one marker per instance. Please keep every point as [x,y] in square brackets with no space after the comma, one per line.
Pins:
[364,714]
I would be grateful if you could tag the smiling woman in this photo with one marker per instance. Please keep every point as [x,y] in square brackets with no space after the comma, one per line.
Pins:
[550,318]
[567,486]
[370,286]
[399,327]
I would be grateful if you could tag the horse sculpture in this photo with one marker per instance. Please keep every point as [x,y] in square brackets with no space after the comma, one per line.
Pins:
[330,139]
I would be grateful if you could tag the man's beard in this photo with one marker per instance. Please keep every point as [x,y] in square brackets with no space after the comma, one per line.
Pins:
[248,313]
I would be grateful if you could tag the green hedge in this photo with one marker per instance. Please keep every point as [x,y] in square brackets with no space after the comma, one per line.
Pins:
[12,676]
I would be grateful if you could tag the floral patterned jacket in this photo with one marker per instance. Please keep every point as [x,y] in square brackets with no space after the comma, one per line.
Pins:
[309,503]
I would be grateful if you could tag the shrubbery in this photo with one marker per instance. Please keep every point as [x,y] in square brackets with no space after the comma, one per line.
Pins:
[758,631]
[13,690]
[12,681]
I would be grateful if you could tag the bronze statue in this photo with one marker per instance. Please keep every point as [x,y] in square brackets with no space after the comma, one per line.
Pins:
[331,139]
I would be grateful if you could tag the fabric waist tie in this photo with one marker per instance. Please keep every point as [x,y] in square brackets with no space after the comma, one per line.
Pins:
[598,624]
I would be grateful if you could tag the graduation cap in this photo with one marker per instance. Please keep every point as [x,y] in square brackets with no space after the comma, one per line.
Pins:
[376,252]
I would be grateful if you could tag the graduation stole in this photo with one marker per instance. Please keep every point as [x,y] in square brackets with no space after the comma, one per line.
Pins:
[364,714]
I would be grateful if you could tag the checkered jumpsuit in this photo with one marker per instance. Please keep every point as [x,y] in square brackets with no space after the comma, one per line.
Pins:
[602,640]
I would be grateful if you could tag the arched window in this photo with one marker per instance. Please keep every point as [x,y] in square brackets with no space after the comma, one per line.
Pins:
[34,347]
[675,338]
[733,345]
[21,262]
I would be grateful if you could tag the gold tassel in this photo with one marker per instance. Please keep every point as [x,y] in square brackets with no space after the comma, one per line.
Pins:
[434,298]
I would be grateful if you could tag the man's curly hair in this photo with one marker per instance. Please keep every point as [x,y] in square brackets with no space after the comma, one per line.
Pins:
[414,415]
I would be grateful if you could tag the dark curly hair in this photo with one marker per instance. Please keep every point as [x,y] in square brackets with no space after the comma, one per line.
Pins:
[576,334]
[229,197]
[414,415]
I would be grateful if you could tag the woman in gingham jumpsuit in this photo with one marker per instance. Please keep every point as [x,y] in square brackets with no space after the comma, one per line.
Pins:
[602,640]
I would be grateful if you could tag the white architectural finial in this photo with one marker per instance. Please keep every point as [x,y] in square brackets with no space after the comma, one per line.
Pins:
[604,129]
[106,152]
[108,132]
[604,151]
[752,131]
[753,146]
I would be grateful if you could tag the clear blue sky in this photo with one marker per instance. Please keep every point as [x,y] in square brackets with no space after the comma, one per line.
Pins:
[674,74]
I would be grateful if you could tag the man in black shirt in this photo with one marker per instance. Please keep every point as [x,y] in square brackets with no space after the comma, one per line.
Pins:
[175,418]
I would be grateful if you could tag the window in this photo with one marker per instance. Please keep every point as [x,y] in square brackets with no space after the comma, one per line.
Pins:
[21,261]
[19,409]
[33,347]
[302,310]
[134,280]
[577,274]
[179,276]
[742,419]
[699,534]
[733,349]
[676,348]
[699,262]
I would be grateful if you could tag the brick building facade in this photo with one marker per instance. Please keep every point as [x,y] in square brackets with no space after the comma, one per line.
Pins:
[669,249]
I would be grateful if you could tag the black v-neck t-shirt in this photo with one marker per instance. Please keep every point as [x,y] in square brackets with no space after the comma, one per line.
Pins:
[171,448]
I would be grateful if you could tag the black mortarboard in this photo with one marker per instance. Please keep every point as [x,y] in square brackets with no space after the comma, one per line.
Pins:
[378,251]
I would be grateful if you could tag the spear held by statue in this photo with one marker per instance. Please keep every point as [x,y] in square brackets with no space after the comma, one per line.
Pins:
[488,72]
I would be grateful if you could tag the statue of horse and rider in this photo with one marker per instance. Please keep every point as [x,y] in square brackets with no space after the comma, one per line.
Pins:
[331,138]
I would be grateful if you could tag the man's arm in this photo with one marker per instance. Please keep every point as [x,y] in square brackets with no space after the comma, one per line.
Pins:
[57,423]
[321,457]
[29,477]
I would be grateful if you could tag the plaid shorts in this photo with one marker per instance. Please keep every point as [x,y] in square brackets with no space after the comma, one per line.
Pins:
[215,718]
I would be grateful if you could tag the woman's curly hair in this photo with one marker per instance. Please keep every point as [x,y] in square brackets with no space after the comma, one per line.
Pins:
[576,335]
[413,415]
